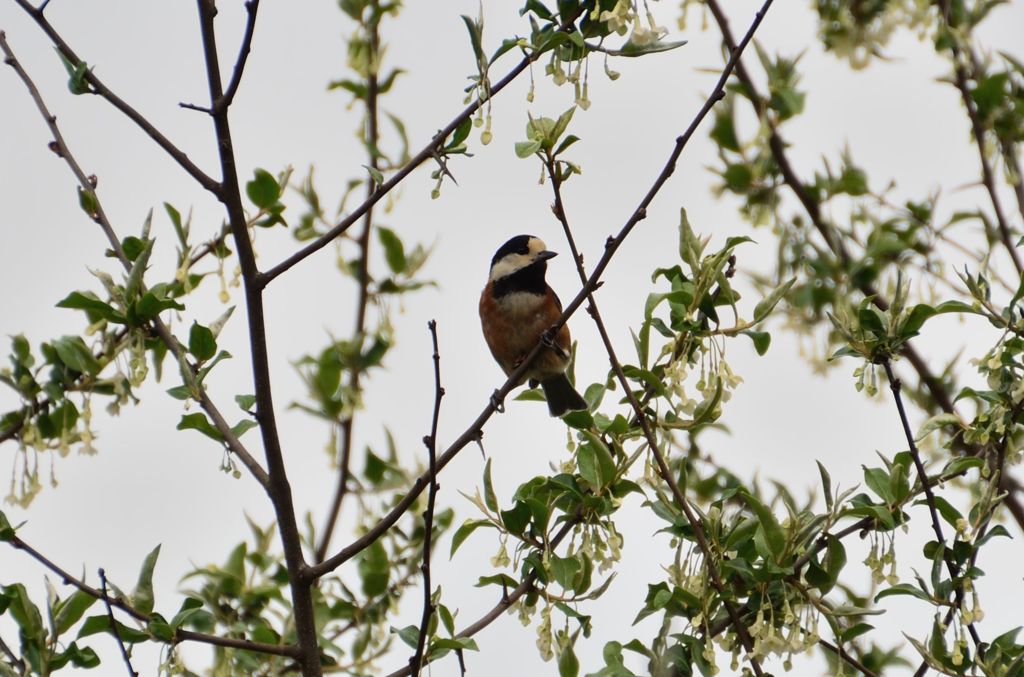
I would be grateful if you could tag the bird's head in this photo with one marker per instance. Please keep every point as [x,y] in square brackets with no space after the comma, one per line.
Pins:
[518,254]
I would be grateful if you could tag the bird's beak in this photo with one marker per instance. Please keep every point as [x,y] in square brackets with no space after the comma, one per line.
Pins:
[545,255]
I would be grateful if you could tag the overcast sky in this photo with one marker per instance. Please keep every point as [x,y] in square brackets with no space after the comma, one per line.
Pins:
[149,485]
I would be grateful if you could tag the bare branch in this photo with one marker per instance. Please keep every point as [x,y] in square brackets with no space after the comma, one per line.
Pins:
[428,517]
[278,488]
[922,474]
[100,217]
[113,624]
[102,90]
[222,104]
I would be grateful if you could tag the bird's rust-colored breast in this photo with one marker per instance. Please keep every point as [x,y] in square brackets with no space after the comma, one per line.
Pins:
[512,326]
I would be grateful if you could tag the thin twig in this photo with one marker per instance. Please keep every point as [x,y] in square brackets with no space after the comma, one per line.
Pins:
[960,77]
[922,474]
[179,635]
[113,625]
[363,277]
[12,658]
[426,153]
[98,87]
[846,657]
[278,489]
[507,598]
[100,217]
[222,104]
[416,662]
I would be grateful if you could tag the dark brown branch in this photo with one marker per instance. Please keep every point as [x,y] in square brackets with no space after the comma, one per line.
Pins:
[960,77]
[363,277]
[113,624]
[922,474]
[278,488]
[840,652]
[426,153]
[428,517]
[100,217]
[222,104]
[12,658]
[102,90]
[117,602]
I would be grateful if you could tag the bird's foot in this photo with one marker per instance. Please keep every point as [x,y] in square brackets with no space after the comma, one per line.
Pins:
[498,402]
[547,338]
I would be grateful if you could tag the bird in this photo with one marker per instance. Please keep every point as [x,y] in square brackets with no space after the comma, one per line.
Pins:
[517,310]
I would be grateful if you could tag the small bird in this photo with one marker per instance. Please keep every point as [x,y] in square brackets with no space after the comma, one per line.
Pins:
[517,308]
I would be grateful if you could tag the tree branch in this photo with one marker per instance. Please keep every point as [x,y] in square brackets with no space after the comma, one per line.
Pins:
[100,217]
[426,153]
[278,488]
[363,276]
[922,474]
[113,624]
[101,89]
[428,517]
[222,104]
[179,634]
[960,77]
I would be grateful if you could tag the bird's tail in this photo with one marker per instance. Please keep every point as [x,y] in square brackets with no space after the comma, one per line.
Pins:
[561,396]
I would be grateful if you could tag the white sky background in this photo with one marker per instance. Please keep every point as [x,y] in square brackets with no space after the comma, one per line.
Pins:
[151,485]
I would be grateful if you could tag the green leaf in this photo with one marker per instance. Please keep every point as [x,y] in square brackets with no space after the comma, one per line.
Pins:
[768,303]
[69,611]
[394,250]
[586,462]
[490,499]
[878,481]
[525,149]
[631,49]
[97,624]
[133,286]
[761,339]
[568,664]
[463,532]
[903,589]
[73,352]
[198,421]
[263,190]
[855,631]
[378,178]
[92,305]
[410,634]
[773,534]
[564,570]
[142,598]
[826,485]
[244,426]
[201,342]
[6,530]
